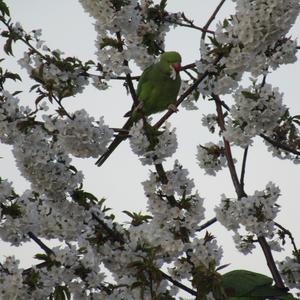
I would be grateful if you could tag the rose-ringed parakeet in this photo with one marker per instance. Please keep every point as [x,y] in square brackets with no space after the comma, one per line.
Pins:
[157,91]
[247,285]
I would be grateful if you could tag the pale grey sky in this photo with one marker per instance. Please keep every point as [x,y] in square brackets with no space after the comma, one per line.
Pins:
[67,27]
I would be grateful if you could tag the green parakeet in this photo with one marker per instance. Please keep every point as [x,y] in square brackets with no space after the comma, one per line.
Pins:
[157,90]
[247,285]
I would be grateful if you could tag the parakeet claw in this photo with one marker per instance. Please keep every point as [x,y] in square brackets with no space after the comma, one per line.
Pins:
[173,108]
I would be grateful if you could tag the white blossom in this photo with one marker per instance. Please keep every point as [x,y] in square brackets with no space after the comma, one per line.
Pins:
[93,139]
[165,146]
[254,214]
[211,157]
[11,281]
[290,270]
[256,110]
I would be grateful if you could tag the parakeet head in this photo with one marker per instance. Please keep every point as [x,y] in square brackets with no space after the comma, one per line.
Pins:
[171,59]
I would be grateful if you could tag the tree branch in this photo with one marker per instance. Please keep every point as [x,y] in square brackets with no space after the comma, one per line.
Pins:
[189,24]
[212,17]
[279,145]
[178,284]
[164,180]
[242,183]
[207,224]
[241,193]
[286,231]
[185,94]
[40,243]
[271,263]
[238,188]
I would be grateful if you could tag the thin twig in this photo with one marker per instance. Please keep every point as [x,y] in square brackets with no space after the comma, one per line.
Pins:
[40,243]
[207,224]
[185,94]
[242,182]
[62,107]
[271,263]
[38,266]
[113,235]
[238,188]
[189,24]
[279,145]
[212,17]
[164,180]
[189,66]
[286,231]
[178,284]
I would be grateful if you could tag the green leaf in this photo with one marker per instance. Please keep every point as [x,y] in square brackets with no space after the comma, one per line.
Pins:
[39,99]
[41,256]
[163,4]
[13,76]
[106,41]
[34,87]
[8,47]
[61,293]
[4,8]
[249,95]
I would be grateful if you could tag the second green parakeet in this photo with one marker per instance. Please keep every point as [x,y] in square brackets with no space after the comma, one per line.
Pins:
[247,285]
[157,90]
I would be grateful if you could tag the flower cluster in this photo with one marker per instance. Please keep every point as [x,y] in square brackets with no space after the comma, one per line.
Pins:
[256,110]
[10,115]
[256,21]
[254,213]
[239,41]
[153,147]
[286,135]
[201,253]
[10,279]
[93,139]
[45,164]
[210,121]
[172,217]
[290,270]
[75,270]
[211,157]
[189,102]
[62,77]
[127,30]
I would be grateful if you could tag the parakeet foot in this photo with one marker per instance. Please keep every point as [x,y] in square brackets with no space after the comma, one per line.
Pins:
[173,108]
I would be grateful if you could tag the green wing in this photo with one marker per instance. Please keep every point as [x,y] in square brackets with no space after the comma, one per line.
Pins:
[157,89]
[144,81]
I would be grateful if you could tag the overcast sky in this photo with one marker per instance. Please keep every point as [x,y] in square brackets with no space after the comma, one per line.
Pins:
[67,27]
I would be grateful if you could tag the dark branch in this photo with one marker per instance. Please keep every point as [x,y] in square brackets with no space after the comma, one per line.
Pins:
[188,23]
[279,145]
[270,262]
[185,95]
[40,243]
[212,17]
[178,284]
[227,149]
[287,232]
[242,182]
[164,180]
[207,224]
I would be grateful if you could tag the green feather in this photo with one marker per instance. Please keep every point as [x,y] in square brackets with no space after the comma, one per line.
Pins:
[157,89]
[247,285]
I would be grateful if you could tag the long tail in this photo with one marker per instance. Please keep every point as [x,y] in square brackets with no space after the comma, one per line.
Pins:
[114,144]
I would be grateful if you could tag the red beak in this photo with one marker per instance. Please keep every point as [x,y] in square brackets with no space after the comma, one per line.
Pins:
[177,67]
